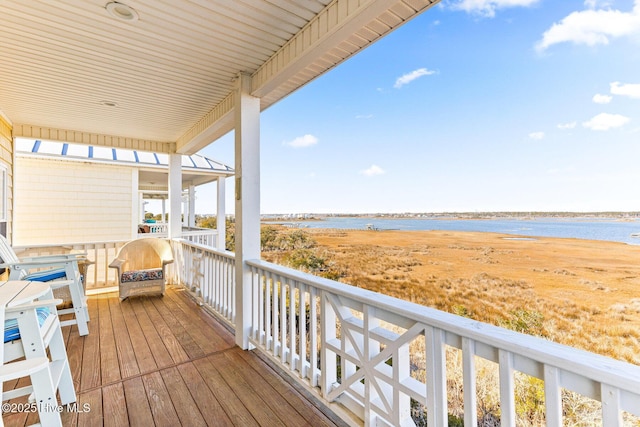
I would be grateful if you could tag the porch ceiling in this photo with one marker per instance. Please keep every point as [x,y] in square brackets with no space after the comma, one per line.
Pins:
[171,72]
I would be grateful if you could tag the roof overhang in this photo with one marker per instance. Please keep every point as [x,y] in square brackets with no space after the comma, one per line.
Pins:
[165,82]
[153,167]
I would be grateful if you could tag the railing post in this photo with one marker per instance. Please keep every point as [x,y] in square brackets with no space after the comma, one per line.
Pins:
[436,377]
[552,396]
[469,381]
[507,389]
[247,161]
[611,411]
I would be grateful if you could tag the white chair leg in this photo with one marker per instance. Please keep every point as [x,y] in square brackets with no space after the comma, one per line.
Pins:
[58,353]
[38,369]
[46,398]
[79,306]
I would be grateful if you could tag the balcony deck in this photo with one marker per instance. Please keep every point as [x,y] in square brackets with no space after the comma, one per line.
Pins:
[165,361]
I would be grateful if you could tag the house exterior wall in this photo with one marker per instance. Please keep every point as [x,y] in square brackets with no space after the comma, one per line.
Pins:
[60,201]
[6,161]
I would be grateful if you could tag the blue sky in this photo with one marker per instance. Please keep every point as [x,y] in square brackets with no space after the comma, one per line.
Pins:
[475,105]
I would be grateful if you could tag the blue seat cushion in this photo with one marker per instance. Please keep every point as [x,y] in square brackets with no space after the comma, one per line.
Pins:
[11,331]
[46,275]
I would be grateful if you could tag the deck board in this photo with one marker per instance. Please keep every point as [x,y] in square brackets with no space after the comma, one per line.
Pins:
[109,365]
[165,361]
[124,349]
[114,405]
[207,402]
[90,369]
[186,408]
[142,351]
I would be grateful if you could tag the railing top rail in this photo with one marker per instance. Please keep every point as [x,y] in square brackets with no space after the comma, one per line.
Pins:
[593,366]
[68,245]
[198,232]
[217,251]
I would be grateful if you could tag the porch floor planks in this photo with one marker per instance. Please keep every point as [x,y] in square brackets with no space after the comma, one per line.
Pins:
[109,364]
[216,334]
[206,401]
[124,348]
[142,351]
[152,336]
[311,414]
[208,339]
[228,365]
[90,369]
[165,361]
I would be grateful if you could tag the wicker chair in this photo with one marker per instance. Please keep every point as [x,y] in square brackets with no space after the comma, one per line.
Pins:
[141,266]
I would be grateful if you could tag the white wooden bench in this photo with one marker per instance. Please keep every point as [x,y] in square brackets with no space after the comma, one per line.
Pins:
[62,274]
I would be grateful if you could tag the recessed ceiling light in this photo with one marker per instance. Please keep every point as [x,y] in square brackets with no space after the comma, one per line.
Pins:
[109,103]
[121,11]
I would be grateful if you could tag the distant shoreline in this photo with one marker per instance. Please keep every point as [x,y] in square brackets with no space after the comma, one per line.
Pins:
[609,228]
[623,216]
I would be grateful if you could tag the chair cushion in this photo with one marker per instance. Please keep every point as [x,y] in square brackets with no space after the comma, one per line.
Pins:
[141,275]
[46,275]
[11,331]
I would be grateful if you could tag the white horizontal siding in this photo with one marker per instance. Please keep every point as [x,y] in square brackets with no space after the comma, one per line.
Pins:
[63,202]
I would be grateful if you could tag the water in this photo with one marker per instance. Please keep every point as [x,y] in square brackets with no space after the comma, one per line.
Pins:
[593,229]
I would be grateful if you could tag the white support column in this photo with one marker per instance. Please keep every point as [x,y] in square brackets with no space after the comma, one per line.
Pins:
[137,204]
[164,210]
[175,195]
[192,206]
[247,159]
[221,223]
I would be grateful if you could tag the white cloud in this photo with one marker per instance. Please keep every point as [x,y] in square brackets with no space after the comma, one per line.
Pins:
[606,121]
[602,99]
[373,170]
[409,77]
[302,141]
[592,27]
[537,136]
[569,125]
[630,90]
[487,8]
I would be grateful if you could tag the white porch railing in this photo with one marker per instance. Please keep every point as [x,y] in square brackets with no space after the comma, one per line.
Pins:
[209,273]
[378,356]
[202,236]
[156,227]
[98,275]
[206,237]
[374,354]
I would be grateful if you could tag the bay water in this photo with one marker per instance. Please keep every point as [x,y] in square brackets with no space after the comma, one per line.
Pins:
[580,228]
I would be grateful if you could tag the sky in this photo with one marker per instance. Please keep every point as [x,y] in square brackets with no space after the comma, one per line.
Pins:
[475,105]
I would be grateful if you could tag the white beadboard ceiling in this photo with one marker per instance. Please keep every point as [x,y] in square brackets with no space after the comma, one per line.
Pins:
[171,72]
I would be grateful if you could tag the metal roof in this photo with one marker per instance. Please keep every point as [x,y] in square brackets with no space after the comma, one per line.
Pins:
[153,174]
[162,77]
[116,155]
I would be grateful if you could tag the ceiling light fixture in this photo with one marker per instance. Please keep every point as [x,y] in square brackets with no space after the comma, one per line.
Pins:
[121,11]
[108,103]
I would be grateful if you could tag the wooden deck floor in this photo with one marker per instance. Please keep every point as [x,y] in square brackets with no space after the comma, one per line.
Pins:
[166,362]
